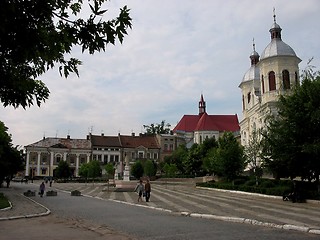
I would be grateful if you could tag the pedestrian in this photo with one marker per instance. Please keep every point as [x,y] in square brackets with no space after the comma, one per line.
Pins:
[8,181]
[147,189]
[42,189]
[140,190]
[50,182]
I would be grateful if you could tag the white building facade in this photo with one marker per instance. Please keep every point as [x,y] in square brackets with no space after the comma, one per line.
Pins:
[273,74]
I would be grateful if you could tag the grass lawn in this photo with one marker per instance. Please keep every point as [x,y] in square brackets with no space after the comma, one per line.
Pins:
[4,203]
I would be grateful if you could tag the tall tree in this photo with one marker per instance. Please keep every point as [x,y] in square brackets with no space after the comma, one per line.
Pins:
[63,170]
[38,35]
[227,159]
[178,157]
[11,159]
[137,170]
[159,128]
[193,162]
[292,139]
[149,168]
[252,152]
[94,169]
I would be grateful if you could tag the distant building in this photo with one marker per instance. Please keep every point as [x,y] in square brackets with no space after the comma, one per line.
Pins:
[44,156]
[106,149]
[196,128]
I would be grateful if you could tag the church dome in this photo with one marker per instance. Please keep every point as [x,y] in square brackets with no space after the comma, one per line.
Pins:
[251,74]
[277,48]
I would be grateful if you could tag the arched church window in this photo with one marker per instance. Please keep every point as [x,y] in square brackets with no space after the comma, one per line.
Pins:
[286,79]
[272,81]
[262,83]
[243,107]
[249,97]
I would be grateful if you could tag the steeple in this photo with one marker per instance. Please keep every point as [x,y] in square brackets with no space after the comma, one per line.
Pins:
[202,105]
[275,29]
[254,55]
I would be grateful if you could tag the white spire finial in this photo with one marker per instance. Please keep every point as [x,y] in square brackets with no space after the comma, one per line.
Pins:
[254,45]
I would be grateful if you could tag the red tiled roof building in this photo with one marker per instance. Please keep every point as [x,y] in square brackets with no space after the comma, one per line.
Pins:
[196,128]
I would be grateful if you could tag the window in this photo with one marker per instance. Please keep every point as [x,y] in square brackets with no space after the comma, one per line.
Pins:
[155,155]
[285,79]
[141,154]
[171,147]
[165,147]
[243,103]
[58,158]
[262,83]
[272,81]
[72,160]
[249,97]
[82,160]
[44,159]
[105,159]
[43,171]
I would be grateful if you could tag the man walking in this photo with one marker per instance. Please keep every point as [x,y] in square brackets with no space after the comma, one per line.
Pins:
[147,189]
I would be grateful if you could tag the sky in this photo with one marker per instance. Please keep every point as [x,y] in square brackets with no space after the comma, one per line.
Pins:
[175,51]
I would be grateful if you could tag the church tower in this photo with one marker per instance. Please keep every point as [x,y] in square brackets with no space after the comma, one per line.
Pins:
[278,65]
[202,105]
[250,85]
[274,74]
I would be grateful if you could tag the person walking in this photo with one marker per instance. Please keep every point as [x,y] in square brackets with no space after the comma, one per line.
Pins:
[139,189]
[147,189]
[42,189]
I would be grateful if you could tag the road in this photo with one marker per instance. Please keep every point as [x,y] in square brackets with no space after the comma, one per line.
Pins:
[120,212]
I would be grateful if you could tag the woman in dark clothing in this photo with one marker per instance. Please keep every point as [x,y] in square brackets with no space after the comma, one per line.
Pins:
[147,189]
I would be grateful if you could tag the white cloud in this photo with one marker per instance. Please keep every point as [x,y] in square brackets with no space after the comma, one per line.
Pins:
[175,51]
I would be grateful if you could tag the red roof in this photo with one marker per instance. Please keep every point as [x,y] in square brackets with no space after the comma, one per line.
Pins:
[205,122]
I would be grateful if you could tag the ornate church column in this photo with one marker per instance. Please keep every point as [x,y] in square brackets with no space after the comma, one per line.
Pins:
[27,164]
[51,164]
[38,163]
[77,165]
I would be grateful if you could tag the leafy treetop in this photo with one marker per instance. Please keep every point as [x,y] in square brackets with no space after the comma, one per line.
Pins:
[37,35]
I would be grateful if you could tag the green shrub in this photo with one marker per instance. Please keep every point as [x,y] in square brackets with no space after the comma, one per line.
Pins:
[4,203]
[251,182]
[267,184]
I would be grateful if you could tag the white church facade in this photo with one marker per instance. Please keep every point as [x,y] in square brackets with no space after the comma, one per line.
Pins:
[272,74]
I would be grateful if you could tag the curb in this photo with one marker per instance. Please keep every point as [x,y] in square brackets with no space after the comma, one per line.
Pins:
[225,218]
[28,215]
